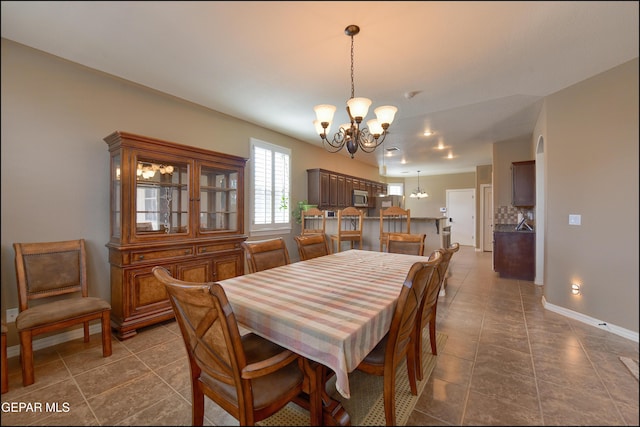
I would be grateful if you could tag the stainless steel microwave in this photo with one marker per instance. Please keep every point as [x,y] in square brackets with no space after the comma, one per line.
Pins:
[360,198]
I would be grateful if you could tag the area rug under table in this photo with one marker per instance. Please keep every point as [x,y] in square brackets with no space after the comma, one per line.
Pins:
[366,405]
[631,364]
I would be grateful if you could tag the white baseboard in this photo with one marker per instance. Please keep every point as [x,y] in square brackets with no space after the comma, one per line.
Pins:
[600,324]
[52,340]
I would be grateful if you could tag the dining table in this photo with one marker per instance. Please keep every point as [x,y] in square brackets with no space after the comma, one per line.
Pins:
[331,310]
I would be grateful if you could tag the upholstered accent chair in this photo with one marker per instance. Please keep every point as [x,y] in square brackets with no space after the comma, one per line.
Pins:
[53,294]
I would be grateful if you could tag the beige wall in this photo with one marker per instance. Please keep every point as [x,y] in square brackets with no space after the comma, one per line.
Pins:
[436,186]
[55,164]
[591,169]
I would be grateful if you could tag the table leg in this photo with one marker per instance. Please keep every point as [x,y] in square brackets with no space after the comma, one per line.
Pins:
[323,409]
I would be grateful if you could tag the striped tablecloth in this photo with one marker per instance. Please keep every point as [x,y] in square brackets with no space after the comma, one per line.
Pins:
[332,309]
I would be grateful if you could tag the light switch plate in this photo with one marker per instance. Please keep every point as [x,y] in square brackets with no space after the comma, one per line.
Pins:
[575,219]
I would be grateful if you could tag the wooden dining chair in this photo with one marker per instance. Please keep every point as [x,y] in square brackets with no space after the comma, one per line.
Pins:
[429,311]
[5,367]
[404,243]
[398,344]
[393,220]
[312,246]
[350,222]
[313,221]
[54,273]
[453,247]
[265,254]
[248,376]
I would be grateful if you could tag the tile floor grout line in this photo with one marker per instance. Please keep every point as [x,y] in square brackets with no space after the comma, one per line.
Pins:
[533,363]
[84,396]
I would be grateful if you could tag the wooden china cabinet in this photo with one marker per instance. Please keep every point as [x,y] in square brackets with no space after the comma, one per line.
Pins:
[172,205]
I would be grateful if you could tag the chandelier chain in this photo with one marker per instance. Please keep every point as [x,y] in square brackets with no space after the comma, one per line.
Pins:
[352,84]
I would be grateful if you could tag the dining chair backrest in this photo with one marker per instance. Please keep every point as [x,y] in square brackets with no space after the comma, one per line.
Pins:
[429,309]
[312,246]
[313,221]
[248,376]
[405,243]
[265,254]
[350,223]
[393,220]
[447,255]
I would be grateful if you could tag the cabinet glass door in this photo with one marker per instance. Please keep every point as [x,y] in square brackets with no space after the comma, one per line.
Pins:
[116,193]
[162,198]
[218,200]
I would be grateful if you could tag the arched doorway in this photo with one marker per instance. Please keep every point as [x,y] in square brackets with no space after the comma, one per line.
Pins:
[540,209]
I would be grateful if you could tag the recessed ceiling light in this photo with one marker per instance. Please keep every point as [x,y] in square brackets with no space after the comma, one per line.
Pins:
[427,133]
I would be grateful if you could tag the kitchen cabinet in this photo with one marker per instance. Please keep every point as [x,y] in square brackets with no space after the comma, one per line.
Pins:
[524,183]
[332,190]
[175,206]
[514,254]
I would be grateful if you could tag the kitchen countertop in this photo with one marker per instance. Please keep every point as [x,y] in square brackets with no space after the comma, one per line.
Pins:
[510,228]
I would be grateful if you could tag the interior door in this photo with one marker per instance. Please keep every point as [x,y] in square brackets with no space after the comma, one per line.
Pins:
[461,209]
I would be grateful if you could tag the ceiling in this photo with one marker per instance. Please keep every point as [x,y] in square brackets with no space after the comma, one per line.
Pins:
[472,72]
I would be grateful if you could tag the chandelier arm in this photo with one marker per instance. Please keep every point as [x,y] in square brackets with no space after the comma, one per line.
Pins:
[334,148]
[368,142]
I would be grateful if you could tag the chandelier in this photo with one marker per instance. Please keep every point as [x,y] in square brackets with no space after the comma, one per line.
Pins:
[419,193]
[351,134]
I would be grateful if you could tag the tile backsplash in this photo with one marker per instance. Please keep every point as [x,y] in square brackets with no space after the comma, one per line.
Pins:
[509,215]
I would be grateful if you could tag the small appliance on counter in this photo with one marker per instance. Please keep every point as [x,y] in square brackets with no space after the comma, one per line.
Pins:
[522,223]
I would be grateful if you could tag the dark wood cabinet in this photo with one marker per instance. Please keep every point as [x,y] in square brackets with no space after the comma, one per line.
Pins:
[175,206]
[524,183]
[514,254]
[332,190]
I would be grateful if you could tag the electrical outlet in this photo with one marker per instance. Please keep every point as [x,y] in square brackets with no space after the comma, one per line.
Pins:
[12,313]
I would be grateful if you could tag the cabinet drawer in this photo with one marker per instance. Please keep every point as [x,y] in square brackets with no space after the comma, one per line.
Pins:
[217,247]
[161,254]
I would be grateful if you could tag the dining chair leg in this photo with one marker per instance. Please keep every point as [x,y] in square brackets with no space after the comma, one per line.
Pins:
[432,337]
[390,400]
[197,404]
[26,358]
[106,334]
[5,368]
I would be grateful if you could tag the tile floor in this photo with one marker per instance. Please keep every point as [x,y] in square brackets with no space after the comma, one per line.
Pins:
[507,361]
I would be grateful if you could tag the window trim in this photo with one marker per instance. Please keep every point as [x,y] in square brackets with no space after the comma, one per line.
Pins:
[271,228]
[399,185]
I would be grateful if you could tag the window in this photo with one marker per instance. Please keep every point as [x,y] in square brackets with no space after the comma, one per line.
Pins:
[395,189]
[270,180]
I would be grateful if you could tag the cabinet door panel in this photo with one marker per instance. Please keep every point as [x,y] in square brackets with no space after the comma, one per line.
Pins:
[325,198]
[333,190]
[199,271]
[228,266]
[148,293]
[524,183]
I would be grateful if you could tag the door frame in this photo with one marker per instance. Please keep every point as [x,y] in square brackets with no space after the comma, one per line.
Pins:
[483,187]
